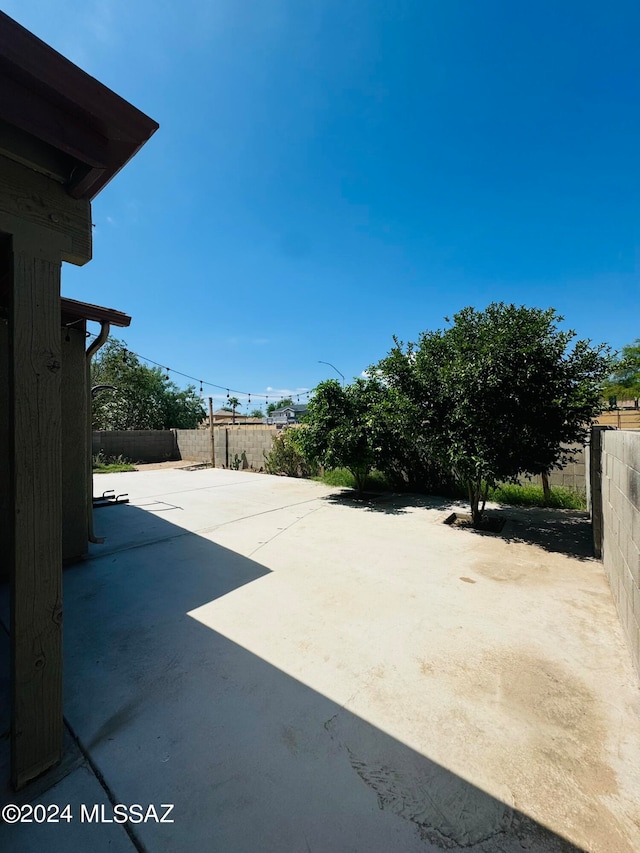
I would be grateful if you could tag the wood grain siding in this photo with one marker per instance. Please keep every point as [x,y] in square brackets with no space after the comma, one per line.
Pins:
[29,198]
[35,465]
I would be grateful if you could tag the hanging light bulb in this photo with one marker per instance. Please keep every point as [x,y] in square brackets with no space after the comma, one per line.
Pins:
[201,387]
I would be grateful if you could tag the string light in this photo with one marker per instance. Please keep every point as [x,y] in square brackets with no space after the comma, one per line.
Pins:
[125,358]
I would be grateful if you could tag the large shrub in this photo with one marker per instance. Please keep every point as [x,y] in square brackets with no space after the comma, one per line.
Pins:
[286,457]
[498,394]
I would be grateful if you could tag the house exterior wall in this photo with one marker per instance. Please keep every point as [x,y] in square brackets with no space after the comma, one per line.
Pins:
[5,485]
[74,443]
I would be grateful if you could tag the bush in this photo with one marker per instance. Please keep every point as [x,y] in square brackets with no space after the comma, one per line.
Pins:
[285,457]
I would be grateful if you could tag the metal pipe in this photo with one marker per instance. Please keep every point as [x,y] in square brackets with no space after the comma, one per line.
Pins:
[93,348]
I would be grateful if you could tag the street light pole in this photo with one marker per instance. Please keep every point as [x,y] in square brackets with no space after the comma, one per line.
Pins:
[334,367]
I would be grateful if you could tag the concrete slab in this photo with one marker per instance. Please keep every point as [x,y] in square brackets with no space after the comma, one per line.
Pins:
[58,823]
[294,671]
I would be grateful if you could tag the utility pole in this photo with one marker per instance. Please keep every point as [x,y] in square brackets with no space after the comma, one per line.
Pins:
[213,450]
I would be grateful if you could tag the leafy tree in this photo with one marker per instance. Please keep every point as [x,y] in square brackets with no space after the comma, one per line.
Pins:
[144,398]
[256,413]
[271,407]
[498,394]
[348,427]
[624,381]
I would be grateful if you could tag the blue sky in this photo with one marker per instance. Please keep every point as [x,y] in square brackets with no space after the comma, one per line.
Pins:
[330,173]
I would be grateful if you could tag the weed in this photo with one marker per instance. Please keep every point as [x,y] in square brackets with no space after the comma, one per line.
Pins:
[110,464]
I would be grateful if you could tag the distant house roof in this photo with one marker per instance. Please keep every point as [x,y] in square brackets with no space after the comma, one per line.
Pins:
[59,120]
[299,408]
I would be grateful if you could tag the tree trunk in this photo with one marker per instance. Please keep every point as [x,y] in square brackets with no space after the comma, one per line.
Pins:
[474,501]
[546,491]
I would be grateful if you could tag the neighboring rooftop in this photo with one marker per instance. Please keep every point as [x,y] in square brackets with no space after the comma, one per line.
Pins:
[295,407]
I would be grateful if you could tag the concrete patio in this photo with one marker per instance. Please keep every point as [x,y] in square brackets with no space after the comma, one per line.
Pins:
[297,671]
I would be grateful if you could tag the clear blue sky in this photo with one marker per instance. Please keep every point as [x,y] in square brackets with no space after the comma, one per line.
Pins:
[329,173]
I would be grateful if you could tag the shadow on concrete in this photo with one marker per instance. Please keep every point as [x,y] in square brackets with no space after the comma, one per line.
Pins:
[389,503]
[561,531]
[172,711]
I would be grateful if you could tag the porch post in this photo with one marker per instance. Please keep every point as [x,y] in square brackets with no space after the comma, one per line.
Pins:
[36,508]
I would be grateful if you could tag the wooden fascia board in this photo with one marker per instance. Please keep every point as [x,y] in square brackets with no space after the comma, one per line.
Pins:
[48,96]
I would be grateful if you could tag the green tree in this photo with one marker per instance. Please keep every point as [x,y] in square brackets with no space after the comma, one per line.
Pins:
[498,394]
[256,413]
[271,407]
[624,380]
[348,427]
[144,398]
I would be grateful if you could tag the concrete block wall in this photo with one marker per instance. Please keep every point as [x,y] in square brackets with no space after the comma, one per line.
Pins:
[193,444]
[620,486]
[253,441]
[138,445]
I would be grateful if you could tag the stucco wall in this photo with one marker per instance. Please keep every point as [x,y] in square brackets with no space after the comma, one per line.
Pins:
[620,486]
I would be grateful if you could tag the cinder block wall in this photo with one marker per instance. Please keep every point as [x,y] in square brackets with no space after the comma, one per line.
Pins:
[620,471]
[253,441]
[138,445]
[193,444]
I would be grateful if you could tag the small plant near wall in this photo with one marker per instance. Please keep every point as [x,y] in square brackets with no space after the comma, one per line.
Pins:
[111,464]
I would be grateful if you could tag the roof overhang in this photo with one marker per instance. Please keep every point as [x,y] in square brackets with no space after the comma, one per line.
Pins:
[61,121]
[71,311]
